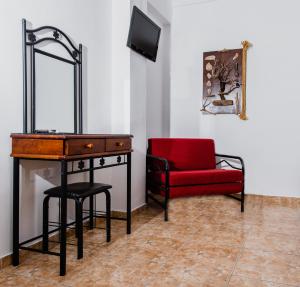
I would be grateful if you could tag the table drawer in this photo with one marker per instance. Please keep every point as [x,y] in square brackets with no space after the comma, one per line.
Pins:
[118,144]
[84,146]
[37,147]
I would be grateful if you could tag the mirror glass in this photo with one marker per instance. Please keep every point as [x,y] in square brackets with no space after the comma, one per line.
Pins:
[54,93]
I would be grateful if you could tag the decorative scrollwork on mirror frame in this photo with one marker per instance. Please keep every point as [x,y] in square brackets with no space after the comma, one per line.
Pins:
[32,38]
[55,35]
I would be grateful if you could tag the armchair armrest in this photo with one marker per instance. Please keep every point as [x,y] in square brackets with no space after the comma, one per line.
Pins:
[159,163]
[230,157]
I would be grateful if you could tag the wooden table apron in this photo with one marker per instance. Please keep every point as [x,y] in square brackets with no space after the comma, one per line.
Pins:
[33,147]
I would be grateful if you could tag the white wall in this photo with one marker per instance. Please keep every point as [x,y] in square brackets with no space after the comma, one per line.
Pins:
[138,93]
[269,140]
[120,93]
[164,7]
[120,66]
[158,82]
[85,22]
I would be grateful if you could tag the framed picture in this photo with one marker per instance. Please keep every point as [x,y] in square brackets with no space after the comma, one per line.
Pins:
[224,82]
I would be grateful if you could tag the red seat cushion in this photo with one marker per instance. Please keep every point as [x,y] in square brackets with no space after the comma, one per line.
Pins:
[184,154]
[200,177]
[211,189]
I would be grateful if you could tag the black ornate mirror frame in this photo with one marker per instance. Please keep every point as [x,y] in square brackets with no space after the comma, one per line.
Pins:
[30,40]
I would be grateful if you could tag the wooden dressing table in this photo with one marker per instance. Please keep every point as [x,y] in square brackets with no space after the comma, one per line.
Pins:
[66,148]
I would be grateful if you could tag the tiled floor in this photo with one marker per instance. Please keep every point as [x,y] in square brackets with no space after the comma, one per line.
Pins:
[207,242]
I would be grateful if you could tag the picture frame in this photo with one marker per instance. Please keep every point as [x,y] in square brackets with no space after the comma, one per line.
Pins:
[224,81]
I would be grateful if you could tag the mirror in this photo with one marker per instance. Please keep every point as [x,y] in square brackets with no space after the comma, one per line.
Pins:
[55,93]
[52,81]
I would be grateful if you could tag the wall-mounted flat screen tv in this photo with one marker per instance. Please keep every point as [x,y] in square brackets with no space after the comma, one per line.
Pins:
[143,35]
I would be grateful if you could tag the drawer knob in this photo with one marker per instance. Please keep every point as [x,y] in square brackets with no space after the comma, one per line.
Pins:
[120,144]
[89,145]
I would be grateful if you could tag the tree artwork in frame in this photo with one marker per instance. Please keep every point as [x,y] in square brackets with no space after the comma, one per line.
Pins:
[224,82]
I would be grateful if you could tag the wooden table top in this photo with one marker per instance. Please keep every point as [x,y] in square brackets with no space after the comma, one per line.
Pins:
[68,136]
[69,146]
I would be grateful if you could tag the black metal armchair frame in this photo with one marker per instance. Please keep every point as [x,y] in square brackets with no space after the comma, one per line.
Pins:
[242,164]
[154,163]
[160,164]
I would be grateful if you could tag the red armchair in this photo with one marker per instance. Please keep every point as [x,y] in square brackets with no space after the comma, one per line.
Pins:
[185,167]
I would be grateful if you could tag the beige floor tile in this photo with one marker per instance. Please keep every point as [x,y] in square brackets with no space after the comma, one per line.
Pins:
[20,280]
[210,255]
[273,242]
[206,240]
[238,281]
[269,266]
[197,275]
[290,229]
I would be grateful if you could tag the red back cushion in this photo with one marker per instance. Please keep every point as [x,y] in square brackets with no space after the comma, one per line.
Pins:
[184,154]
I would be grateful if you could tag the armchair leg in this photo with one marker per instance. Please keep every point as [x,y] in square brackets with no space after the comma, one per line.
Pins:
[242,200]
[146,196]
[166,214]
[166,205]
[146,189]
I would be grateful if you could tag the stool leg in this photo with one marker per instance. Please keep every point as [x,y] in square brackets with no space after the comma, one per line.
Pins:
[108,216]
[45,223]
[91,212]
[76,220]
[79,228]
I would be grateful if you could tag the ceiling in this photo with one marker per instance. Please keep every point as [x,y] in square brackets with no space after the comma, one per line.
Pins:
[190,2]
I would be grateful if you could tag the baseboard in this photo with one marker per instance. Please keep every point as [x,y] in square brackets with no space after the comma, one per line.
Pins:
[7,260]
[293,202]
[133,212]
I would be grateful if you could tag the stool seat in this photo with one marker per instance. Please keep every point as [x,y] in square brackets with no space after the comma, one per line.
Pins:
[79,189]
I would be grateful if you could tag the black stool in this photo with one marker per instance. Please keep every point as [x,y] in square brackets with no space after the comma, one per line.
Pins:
[79,192]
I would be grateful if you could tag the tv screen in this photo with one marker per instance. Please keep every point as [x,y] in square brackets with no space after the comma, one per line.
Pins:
[143,35]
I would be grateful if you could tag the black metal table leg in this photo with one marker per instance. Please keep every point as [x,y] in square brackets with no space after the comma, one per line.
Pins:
[128,214]
[16,203]
[63,219]
[91,199]
[46,223]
